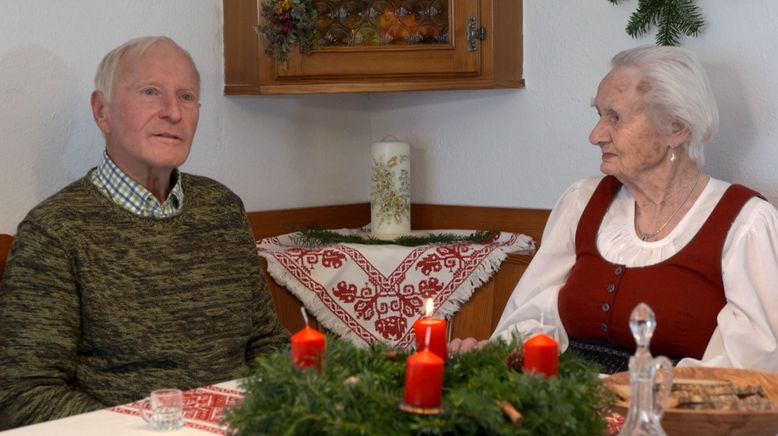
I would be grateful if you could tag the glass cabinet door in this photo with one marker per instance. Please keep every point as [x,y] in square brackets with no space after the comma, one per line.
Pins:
[386,38]
[382,22]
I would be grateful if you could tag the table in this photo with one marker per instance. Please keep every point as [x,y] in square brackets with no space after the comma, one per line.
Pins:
[203,411]
[370,293]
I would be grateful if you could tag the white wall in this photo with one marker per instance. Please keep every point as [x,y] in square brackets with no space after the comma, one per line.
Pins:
[497,148]
[277,152]
[523,147]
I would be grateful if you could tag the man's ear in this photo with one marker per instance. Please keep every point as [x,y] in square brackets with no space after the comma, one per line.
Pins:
[100,111]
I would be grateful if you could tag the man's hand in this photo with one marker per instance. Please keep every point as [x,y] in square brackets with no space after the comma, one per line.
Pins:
[458,345]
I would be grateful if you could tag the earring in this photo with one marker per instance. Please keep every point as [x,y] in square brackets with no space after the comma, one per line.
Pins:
[672,156]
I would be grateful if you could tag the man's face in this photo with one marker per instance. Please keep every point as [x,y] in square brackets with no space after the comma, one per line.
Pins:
[150,121]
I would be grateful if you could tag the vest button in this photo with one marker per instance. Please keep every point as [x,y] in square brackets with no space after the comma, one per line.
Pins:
[611,288]
[619,270]
[603,327]
[606,307]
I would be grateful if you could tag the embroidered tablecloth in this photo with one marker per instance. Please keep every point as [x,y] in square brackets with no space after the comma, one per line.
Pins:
[371,293]
[203,407]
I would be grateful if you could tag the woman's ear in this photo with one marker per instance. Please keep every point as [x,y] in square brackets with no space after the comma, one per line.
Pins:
[100,112]
[680,133]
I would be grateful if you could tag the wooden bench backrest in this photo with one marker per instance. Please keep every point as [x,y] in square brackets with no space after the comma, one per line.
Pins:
[5,247]
[279,222]
[423,217]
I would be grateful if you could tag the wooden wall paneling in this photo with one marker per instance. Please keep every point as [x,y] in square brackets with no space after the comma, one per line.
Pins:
[287,306]
[512,269]
[279,222]
[5,248]
[474,316]
[435,216]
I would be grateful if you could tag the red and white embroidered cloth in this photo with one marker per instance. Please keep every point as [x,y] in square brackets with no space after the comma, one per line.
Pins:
[203,408]
[371,293]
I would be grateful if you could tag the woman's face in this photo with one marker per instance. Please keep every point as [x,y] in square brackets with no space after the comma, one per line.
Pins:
[631,145]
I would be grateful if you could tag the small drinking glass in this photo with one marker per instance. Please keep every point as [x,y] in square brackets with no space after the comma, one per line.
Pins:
[166,411]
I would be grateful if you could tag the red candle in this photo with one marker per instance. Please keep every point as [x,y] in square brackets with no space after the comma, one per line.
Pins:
[541,356]
[308,347]
[423,379]
[437,326]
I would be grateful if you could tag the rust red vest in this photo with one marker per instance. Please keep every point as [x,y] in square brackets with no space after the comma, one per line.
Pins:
[685,291]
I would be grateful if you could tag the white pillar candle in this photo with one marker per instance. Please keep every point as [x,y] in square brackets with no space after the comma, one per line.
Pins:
[390,196]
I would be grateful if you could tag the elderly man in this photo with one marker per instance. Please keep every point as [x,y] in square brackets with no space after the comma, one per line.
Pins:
[136,276]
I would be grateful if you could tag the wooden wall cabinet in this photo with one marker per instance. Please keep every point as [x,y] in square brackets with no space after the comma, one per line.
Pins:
[496,61]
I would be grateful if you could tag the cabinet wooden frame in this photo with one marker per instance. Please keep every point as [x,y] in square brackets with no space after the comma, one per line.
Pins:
[496,64]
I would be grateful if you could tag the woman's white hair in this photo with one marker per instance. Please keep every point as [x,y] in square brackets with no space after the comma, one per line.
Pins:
[106,71]
[678,89]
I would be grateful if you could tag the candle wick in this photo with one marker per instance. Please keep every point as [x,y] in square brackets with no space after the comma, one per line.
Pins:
[305,315]
[427,338]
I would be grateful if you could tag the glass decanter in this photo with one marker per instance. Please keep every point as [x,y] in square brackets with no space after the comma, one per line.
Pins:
[647,399]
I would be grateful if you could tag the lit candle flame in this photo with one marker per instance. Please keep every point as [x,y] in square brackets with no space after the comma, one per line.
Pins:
[430,307]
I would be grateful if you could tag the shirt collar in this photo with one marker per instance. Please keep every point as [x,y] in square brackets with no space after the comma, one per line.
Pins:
[134,197]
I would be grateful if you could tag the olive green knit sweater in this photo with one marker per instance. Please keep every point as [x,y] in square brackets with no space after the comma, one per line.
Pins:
[99,306]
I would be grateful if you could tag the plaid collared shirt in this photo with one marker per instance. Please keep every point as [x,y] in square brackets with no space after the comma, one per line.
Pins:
[131,195]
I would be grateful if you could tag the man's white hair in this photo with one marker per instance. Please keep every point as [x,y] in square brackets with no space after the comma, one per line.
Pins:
[106,71]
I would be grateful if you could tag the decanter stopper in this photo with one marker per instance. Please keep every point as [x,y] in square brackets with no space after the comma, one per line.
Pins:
[647,400]
[642,323]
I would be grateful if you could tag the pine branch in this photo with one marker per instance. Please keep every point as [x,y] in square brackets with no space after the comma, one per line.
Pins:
[646,16]
[315,237]
[672,18]
[359,390]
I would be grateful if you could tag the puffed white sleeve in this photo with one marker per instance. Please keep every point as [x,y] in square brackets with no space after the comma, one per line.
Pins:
[535,295]
[747,331]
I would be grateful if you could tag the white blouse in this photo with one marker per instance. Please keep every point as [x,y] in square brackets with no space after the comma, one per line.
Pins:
[747,331]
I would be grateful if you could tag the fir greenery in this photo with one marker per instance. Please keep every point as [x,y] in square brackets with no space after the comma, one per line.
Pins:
[315,237]
[671,17]
[282,400]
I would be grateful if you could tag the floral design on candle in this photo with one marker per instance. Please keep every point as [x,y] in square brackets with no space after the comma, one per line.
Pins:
[308,347]
[390,195]
[437,331]
[423,377]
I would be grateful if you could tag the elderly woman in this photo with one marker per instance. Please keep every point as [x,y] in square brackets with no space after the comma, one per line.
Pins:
[702,253]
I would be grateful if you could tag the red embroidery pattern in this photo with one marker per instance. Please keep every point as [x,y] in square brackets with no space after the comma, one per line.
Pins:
[203,408]
[375,293]
[615,422]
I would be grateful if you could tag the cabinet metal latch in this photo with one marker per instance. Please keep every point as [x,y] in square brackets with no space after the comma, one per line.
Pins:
[474,33]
